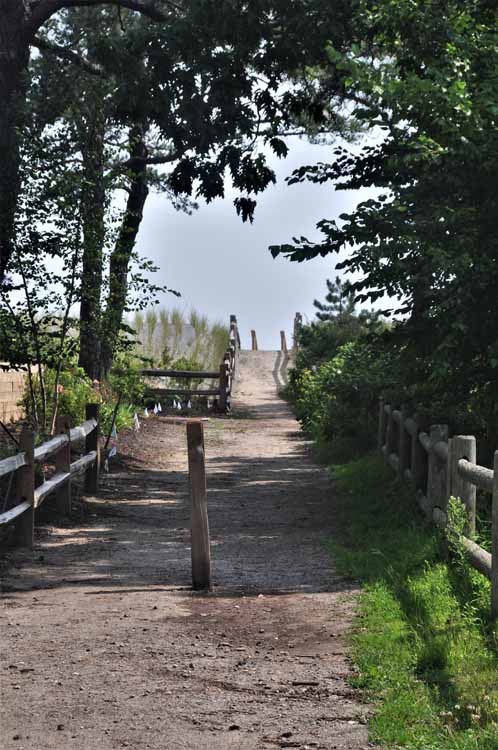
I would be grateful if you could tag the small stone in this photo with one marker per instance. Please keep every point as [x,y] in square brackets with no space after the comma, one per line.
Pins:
[233,727]
[60,727]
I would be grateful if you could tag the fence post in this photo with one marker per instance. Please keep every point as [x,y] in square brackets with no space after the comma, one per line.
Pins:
[25,491]
[92,443]
[200,549]
[382,425]
[404,445]
[283,342]
[419,459]
[254,341]
[298,324]
[389,434]
[464,446]
[222,403]
[63,465]
[494,547]
[436,478]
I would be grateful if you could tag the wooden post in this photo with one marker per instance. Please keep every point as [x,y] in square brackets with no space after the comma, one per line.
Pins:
[283,342]
[403,444]
[201,554]
[254,341]
[25,491]
[63,464]
[298,324]
[436,474]
[419,460]
[382,425]
[222,401]
[389,434]
[494,547]
[464,446]
[93,444]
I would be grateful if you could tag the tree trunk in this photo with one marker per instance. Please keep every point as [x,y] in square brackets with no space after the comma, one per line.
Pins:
[14,59]
[93,201]
[122,253]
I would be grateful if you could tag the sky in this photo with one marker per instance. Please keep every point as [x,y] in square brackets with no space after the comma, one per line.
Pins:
[223,266]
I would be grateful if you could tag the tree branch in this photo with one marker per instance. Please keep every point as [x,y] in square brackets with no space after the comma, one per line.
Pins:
[44,9]
[67,54]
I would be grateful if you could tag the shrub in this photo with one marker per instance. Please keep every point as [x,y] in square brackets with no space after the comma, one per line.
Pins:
[338,401]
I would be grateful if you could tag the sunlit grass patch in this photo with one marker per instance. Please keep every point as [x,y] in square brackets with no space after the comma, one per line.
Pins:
[424,647]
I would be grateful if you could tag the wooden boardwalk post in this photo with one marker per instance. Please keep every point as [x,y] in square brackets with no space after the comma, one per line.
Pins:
[93,444]
[63,465]
[25,491]
[283,342]
[201,554]
[254,341]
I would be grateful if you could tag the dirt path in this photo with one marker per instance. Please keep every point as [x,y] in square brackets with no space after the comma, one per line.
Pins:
[104,645]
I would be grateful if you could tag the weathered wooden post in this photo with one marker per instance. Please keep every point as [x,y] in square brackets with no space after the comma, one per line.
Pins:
[464,446]
[222,399]
[436,474]
[200,550]
[494,547]
[419,458]
[382,425]
[283,342]
[254,341]
[63,466]
[389,433]
[92,443]
[298,324]
[25,491]
[403,444]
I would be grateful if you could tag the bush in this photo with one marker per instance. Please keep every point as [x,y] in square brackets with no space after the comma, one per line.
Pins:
[75,391]
[338,402]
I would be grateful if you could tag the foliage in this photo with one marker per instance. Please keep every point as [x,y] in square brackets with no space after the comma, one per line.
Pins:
[337,403]
[75,390]
[339,301]
[425,649]
[424,79]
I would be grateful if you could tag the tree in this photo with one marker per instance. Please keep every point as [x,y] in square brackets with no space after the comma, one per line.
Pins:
[20,23]
[425,77]
[339,301]
[212,94]
[271,29]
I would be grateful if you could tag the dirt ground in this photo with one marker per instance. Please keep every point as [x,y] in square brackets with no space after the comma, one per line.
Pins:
[104,645]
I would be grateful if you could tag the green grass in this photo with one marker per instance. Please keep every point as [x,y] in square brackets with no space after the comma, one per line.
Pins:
[425,650]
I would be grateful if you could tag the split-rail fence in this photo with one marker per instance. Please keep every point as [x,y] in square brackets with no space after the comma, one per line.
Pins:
[222,392]
[441,467]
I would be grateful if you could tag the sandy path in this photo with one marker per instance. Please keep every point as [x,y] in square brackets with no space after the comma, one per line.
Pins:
[104,645]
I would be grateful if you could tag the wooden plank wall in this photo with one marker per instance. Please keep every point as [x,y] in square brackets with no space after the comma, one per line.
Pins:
[11,390]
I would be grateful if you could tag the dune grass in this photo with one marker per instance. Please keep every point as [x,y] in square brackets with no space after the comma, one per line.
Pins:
[424,647]
[164,336]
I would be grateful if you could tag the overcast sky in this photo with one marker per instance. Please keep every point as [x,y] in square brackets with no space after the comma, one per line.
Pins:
[223,266]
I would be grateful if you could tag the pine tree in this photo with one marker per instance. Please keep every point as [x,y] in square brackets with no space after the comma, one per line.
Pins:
[339,302]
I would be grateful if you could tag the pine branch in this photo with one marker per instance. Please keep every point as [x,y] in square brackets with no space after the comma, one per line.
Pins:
[67,54]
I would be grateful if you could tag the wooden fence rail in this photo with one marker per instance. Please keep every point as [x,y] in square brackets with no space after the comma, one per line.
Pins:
[29,497]
[441,467]
[225,375]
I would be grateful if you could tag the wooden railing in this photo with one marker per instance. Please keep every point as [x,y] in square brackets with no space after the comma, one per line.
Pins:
[58,449]
[441,467]
[224,375]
